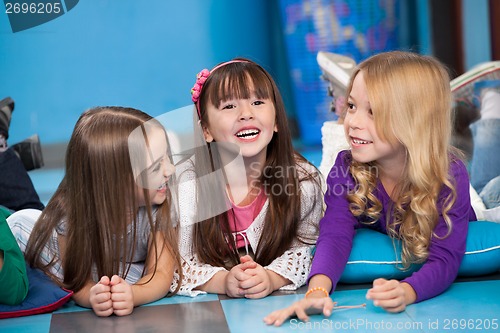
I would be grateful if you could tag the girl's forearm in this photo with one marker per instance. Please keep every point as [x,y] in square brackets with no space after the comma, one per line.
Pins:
[148,289]
[82,297]
[216,285]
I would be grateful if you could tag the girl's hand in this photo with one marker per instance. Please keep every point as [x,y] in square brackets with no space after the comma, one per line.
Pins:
[259,284]
[235,276]
[391,295]
[100,298]
[121,296]
[301,309]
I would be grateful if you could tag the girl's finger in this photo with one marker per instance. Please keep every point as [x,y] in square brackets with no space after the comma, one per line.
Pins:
[261,294]
[115,279]
[250,283]
[245,258]
[256,289]
[277,318]
[248,265]
[241,275]
[301,314]
[328,308]
[104,280]
[380,284]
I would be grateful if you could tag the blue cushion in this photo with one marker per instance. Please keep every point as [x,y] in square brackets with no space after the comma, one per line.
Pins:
[373,255]
[482,253]
[43,296]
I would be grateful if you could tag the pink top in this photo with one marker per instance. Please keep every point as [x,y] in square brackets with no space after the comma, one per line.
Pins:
[243,216]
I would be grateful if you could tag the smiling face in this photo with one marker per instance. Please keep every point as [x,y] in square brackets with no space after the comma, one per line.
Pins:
[152,166]
[249,123]
[360,129]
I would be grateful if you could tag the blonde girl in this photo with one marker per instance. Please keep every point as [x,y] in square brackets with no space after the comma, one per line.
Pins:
[400,177]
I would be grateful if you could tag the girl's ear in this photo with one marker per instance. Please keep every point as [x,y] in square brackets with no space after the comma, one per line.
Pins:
[207,135]
[276,128]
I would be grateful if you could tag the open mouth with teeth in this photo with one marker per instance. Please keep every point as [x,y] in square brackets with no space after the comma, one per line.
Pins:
[248,134]
[360,142]
[162,187]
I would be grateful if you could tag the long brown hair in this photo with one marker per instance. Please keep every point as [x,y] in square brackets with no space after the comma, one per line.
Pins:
[213,241]
[97,201]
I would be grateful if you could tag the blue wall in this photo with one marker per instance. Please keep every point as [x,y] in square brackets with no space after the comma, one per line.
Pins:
[143,54]
[146,53]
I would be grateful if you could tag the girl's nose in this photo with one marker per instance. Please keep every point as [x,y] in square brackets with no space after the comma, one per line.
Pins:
[246,112]
[354,120]
[168,168]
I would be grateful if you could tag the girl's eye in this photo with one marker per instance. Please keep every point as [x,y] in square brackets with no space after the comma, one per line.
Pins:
[228,107]
[350,105]
[258,103]
[157,166]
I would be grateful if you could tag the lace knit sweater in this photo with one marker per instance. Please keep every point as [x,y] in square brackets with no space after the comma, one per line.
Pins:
[294,264]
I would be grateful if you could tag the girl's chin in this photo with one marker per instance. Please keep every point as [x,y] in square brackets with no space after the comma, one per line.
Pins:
[159,197]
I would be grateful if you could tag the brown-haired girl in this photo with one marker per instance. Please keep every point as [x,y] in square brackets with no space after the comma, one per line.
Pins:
[107,232]
[262,240]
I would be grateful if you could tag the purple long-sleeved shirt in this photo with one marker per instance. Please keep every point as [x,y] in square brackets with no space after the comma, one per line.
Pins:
[337,229]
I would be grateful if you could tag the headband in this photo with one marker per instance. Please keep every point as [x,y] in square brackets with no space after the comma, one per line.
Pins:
[200,81]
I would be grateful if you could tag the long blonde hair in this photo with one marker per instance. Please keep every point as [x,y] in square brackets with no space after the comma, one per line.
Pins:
[411,103]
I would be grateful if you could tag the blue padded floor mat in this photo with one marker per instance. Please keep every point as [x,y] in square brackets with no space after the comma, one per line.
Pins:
[468,305]
[464,307]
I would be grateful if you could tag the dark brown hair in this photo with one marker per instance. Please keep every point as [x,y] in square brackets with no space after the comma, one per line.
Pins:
[213,241]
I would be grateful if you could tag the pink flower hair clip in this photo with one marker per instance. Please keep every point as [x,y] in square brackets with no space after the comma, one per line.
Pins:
[200,80]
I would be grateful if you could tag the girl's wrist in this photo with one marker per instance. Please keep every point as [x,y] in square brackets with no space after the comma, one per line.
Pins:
[317,292]
[277,281]
[410,294]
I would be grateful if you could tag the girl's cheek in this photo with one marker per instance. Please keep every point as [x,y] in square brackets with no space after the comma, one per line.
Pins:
[157,182]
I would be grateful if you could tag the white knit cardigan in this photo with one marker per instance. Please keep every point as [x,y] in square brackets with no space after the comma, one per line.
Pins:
[294,264]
